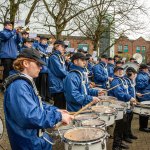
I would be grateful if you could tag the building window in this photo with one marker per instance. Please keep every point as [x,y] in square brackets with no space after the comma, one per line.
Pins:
[125,48]
[119,48]
[138,49]
[143,49]
[85,47]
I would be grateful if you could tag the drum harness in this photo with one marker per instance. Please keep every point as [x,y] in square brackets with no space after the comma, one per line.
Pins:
[106,70]
[125,85]
[17,76]
[83,81]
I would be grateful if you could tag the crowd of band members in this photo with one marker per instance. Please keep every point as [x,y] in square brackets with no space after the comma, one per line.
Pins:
[66,78]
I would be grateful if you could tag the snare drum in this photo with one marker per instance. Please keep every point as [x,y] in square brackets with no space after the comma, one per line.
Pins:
[120,111]
[82,117]
[142,110]
[94,123]
[82,138]
[106,100]
[105,113]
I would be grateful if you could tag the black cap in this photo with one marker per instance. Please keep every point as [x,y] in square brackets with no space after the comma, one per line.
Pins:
[24,32]
[79,55]
[132,58]
[88,56]
[60,42]
[131,69]
[104,56]
[32,54]
[110,58]
[117,68]
[143,66]
[8,22]
[28,40]
[118,62]
[81,50]
[44,37]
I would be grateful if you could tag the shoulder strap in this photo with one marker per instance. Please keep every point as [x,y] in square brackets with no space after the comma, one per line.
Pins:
[14,77]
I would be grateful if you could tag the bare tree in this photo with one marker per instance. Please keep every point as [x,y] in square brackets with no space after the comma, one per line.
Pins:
[61,12]
[113,17]
[9,9]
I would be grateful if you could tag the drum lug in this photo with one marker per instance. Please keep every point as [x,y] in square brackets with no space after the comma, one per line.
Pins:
[70,147]
[103,145]
[108,117]
[86,147]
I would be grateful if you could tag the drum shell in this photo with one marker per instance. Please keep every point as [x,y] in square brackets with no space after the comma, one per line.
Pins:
[142,110]
[108,118]
[101,126]
[99,144]
[78,122]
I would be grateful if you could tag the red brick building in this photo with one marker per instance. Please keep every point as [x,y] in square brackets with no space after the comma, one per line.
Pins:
[126,47]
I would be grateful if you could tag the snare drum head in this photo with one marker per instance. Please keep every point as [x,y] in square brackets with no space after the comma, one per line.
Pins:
[93,122]
[107,98]
[103,109]
[82,134]
[117,106]
[123,104]
[86,116]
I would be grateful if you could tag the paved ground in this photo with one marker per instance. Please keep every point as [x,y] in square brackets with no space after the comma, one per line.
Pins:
[143,142]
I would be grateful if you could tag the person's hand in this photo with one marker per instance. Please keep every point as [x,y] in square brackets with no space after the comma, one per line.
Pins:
[63,111]
[102,92]
[66,118]
[139,94]
[133,101]
[95,100]
[92,85]
[110,79]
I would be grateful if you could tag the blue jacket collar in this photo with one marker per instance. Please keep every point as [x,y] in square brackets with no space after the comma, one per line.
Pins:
[44,46]
[57,52]
[74,67]
[104,64]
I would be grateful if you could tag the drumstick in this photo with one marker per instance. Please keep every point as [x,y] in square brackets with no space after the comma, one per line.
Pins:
[76,113]
[85,111]
[114,87]
[146,93]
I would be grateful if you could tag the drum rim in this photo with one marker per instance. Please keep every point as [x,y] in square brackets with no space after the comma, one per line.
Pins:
[102,125]
[88,141]
[111,113]
[96,116]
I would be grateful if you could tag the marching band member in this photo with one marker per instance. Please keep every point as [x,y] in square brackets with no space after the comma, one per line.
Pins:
[76,88]
[57,73]
[10,40]
[110,67]
[25,114]
[143,86]
[27,43]
[130,78]
[101,73]
[42,80]
[121,93]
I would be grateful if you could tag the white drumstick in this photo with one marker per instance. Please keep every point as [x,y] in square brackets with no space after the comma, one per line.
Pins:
[146,93]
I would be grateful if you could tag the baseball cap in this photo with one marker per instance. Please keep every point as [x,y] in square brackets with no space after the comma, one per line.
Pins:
[104,56]
[143,66]
[31,54]
[79,55]
[117,68]
[131,69]
[60,42]
[82,50]
[8,22]
[28,40]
